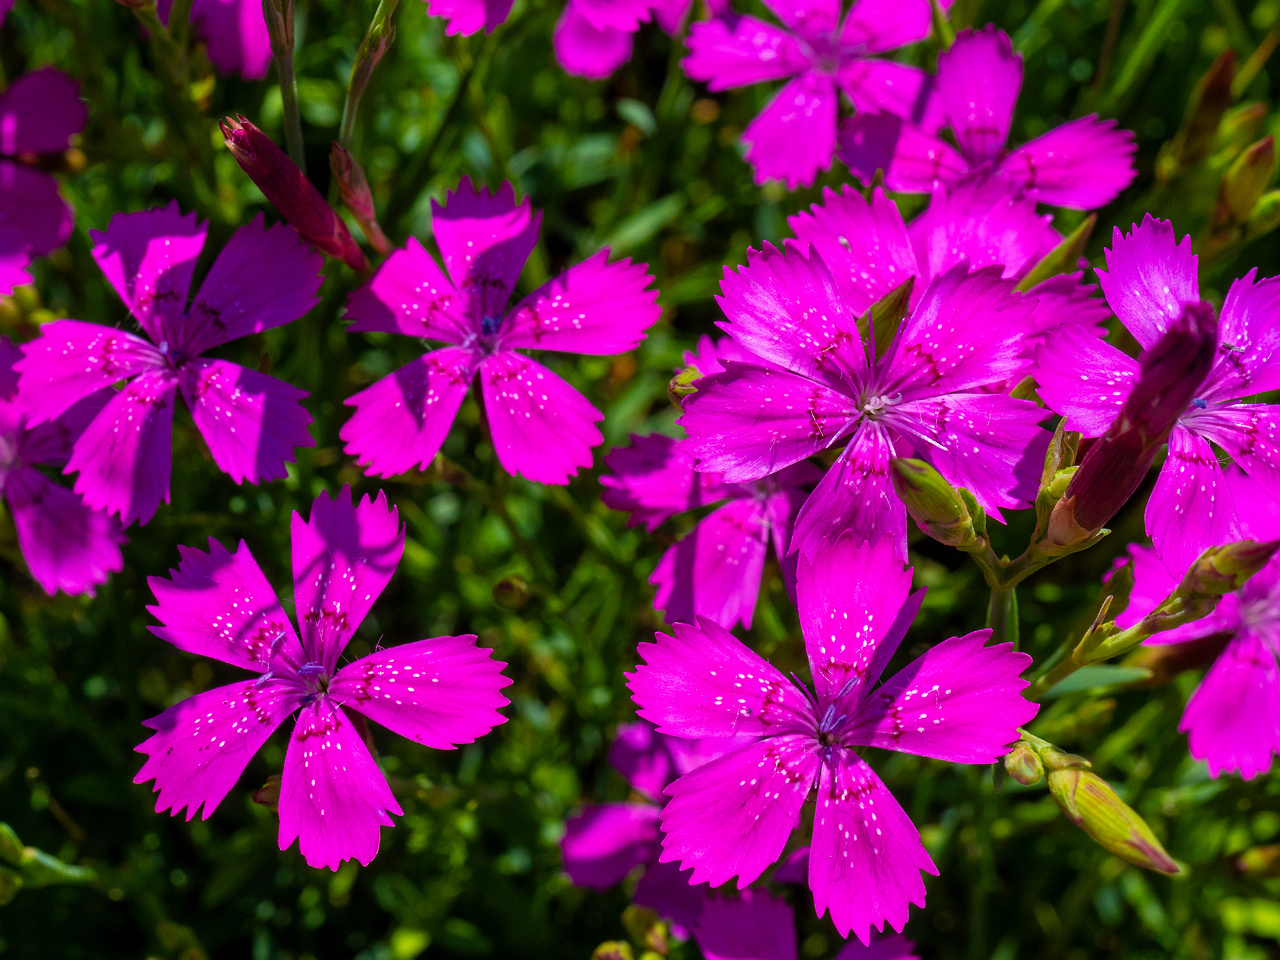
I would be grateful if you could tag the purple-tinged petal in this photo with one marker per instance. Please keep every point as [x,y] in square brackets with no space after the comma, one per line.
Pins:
[585,50]
[333,797]
[715,570]
[754,926]
[979,77]
[343,557]
[866,856]
[606,841]
[1083,164]
[440,692]
[66,545]
[15,258]
[752,421]
[1249,341]
[624,15]
[31,206]
[123,456]
[893,947]
[50,443]
[251,422]
[1232,721]
[1066,300]
[264,277]
[219,604]
[988,443]
[1149,278]
[666,888]
[148,258]
[469,16]
[40,112]
[10,356]
[808,18]
[594,307]
[671,15]
[410,295]
[1083,378]
[5,7]
[543,429]
[202,744]
[794,137]
[850,596]
[787,307]
[886,86]
[966,332]
[856,495]
[71,360]
[1152,582]
[1190,508]
[235,33]
[741,53]
[733,816]
[1250,433]
[485,238]
[875,26]
[912,160]
[1257,508]
[402,420]
[644,758]
[960,701]
[653,480]
[794,869]
[864,245]
[704,682]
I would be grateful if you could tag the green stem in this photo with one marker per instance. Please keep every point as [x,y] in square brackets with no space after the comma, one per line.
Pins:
[1002,615]
[363,68]
[292,114]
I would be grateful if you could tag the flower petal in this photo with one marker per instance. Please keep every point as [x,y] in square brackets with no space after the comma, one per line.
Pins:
[31,207]
[1083,164]
[753,925]
[469,16]
[886,85]
[1149,278]
[40,112]
[585,50]
[1083,378]
[979,77]
[1249,341]
[1191,507]
[410,295]
[875,26]
[235,33]
[1232,721]
[1249,432]
[604,842]
[912,160]
[666,888]
[794,137]
[653,480]
[742,52]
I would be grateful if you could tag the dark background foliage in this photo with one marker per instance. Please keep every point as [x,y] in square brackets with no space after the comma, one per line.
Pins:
[647,163]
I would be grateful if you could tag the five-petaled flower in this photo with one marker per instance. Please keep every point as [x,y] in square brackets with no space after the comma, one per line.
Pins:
[333,798]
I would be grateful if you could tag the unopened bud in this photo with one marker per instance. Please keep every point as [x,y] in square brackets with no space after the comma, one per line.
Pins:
[1089,802]
[1222,570]
[1240,126]
[354,188]
[278,15]
[268,795]
[613,950]
[11,847]
[1023,764]
[290,191]
[1205,110]
[1266,214]
[10,884]
[1245,181]
[511,593]
[682,384]
[935,505]
[1260,861]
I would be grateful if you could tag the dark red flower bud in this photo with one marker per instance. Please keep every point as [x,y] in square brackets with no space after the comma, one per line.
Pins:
[290,191]
[354,188]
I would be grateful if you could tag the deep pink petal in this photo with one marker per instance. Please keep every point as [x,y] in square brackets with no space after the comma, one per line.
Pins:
[1249,334]
[753,421]
[912,160]
[605,841]
[875,26]
[71,360]
[754,925]
[960,701]
[666,888]
[402,420]
[653,480]
[148,258]
[1149,277]
[1257,508]
[50,443]
[235,33]
[343,557]
[440,692]
[15,258]
[886,85]
[1083,164]
[616,14]
[1232,721]
[1152,582]
[737,54]
[1190,508]
[794,137]
[1066,300]
[808,18]
[333,797]
[410,295]
[485,238]
[219,604]
[704,682]
[644,758]
[715,570]
[469,16]
[40,112]
[67,546]
[893,947]
[979,78]
[202,744]
[264,277]
[543,429]
[1084,378]
[252,423]
[866,856]
[733,816]
[1249,432]
[585,50]
[123,457]
[594,307]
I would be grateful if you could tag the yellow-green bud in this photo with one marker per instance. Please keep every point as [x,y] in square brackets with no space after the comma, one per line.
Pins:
[1089,802]
[613,950]
[512,593]
[682,384]
[1245,181]
[1225,569]
[932,502]
[1023,765]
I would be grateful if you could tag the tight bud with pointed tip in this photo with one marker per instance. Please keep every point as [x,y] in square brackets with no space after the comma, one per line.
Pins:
[1089,802]
[935,505]
[1222,570]
[290,191]
[1024,765]
[354,188]
[1245,182]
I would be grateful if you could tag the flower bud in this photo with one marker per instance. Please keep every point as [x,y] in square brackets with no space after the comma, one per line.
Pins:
[1222,570]
[511,593]
[268,795]
[613,950]
[1245,181]
[278,15]
[290,191]
[11,848]
[935,505]
[1266,214]
[682,384]
[1205,109]
[1089,802]
[1023,765]
[1260,861]
[357,196]
[1240,126]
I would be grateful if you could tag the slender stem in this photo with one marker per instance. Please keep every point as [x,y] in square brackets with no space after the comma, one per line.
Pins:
[367,57]
[292,114]
[180,21]
[1002,615]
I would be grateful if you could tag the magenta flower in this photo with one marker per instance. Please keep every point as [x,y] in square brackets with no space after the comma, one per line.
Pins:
[466,17]
[1232,721]
[1150,280]
[606,841]
[542,428]
[264,277]
[961,701]
[920,395]
[1082,164]
[234,32]
[440,692]
[794,137]
[67,546]
[39,114]
[593,38]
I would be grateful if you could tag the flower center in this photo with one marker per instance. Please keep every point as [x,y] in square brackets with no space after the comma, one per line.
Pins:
[878,405]
[175,356]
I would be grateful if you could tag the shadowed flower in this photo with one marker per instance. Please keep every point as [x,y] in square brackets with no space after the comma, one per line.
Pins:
[440,692]
[234,32]
[263,278]
[465,17]
[961,701]
[542,428]
[1082,164]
